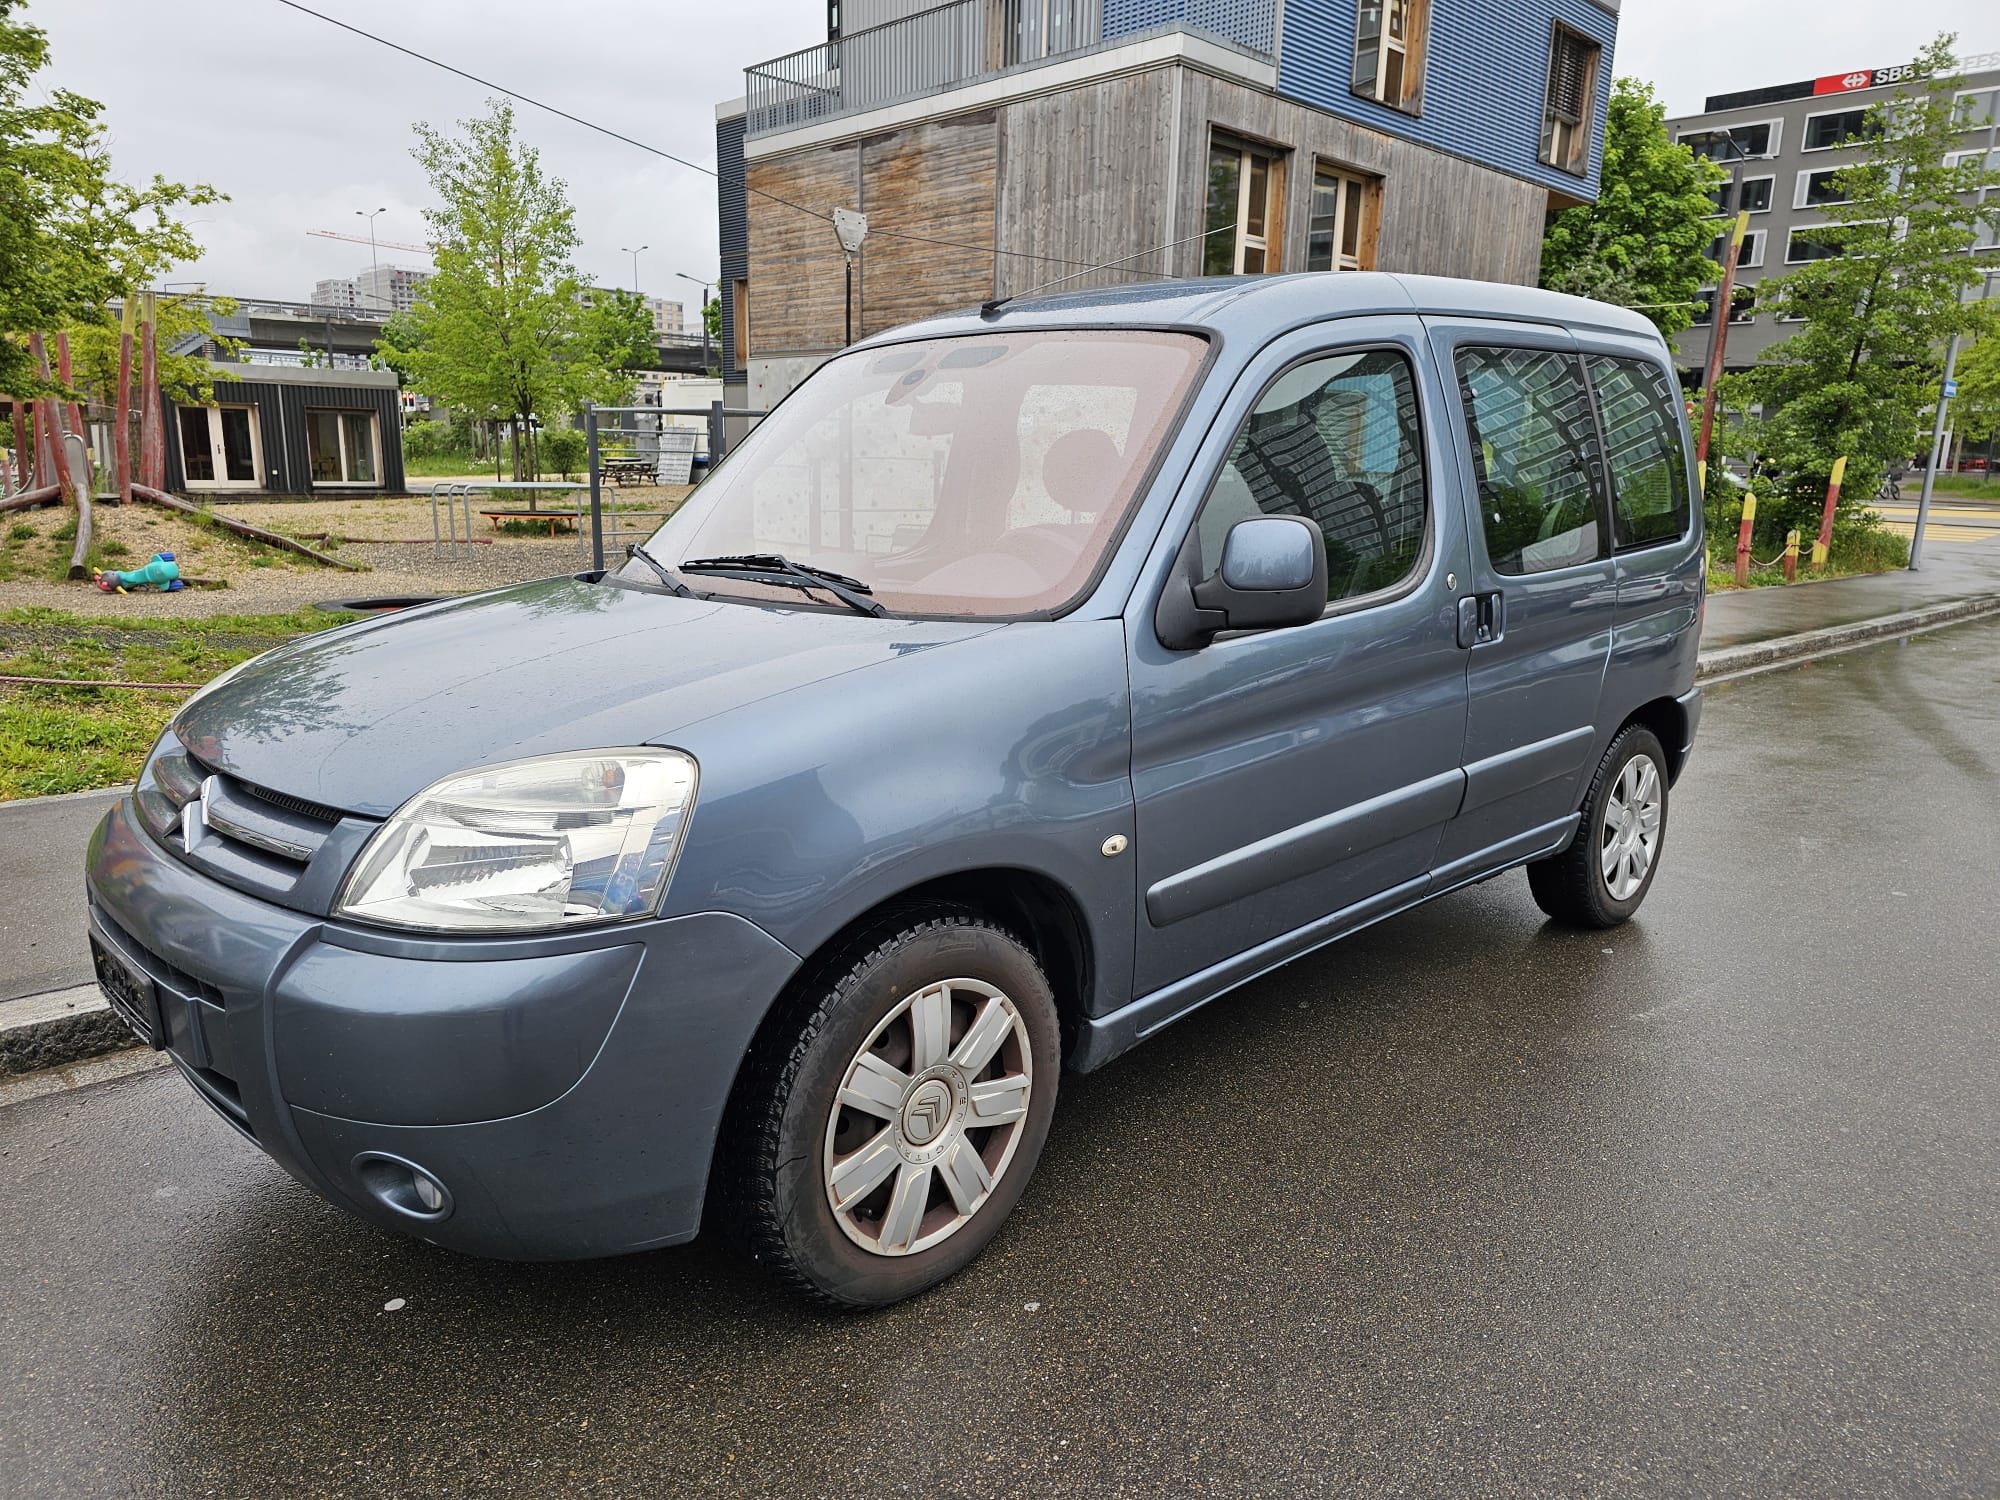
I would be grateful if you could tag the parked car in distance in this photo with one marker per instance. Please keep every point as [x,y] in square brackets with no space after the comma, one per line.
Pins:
[1028,679]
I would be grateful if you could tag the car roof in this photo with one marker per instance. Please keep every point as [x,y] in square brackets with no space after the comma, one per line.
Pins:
[1261,305]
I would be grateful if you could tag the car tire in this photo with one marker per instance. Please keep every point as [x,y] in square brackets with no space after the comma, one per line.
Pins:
[892,1116]
[1604,874]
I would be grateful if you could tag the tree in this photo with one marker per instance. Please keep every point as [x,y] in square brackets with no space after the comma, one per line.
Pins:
[183,377]
[1643,244]
[711,318]
[73,239]
[503,329]
[621,331]
[1879,304]
[1975,412]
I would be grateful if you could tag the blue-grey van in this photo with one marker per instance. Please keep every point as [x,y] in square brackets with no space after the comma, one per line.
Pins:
[1028,678]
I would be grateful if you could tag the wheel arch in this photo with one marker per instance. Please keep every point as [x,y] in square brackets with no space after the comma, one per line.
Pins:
[1668,720]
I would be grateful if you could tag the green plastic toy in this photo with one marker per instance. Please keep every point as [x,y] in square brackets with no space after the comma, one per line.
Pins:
[162,573]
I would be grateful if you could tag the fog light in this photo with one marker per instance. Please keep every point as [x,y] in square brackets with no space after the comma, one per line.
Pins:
[402,1185]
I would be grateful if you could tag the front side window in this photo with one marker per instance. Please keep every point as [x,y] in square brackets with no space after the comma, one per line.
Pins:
[1649,489]
[982,476]
[340,446]
[1342,205]
[1239,238]
[1567,107]
[1532,437]
[1389,51]
[1338,441]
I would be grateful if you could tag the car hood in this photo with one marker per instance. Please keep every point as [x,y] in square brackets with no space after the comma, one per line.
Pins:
[363,718]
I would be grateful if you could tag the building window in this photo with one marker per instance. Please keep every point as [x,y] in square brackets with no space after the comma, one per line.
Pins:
[1566,110]
[1389,52]
[1244,187]
[1749,257]
[341,447]
[1755,196]
[1758,138]
[220,447]
[739,322]
[1817,189]
[1824,132]
[1800,247]
[1341,236]
[1742,304]
[1976,111]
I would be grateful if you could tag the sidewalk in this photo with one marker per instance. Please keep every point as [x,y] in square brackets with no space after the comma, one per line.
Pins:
[52,1014]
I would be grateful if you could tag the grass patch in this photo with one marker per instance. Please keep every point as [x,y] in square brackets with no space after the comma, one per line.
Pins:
[1860,550]
[1976,486]
[62,739]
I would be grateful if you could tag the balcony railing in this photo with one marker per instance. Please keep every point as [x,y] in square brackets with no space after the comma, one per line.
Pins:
[965,40]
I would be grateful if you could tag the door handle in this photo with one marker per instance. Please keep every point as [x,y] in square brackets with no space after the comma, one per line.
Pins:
[1481,619]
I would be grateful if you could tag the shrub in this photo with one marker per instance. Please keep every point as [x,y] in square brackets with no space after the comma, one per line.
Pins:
[563,449]
[21,531]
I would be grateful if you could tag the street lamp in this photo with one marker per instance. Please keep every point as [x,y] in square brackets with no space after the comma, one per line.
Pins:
[634,253]
[374,267]
[704,285]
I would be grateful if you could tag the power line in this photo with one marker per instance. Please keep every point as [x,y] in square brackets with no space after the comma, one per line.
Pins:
[605,130]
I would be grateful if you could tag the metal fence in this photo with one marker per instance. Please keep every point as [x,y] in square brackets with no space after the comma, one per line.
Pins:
[622,447]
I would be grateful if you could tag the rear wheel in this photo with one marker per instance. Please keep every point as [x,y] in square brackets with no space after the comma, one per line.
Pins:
[892,1126]
[1605,873]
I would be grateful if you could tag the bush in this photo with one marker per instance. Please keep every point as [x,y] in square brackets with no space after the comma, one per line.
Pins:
[563,450]
[436,440]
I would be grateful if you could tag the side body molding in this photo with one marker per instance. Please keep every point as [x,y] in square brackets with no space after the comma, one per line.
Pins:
[1306,847]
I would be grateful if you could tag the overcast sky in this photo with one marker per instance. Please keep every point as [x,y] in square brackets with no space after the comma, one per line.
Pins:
[302,124]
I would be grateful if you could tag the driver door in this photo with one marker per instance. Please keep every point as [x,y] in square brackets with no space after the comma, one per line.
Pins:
[1293,782]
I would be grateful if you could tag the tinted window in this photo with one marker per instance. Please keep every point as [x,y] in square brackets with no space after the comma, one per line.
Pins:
[1649,495]
[1823,131]
[1529,424]
[1339,442]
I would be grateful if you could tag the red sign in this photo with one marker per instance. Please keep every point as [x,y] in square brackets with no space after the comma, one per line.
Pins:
[1841,83]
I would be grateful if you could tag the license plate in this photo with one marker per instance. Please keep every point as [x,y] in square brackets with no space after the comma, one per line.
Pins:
[131,993]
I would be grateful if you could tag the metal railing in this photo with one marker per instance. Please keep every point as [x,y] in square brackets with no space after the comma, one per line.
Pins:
[965,40]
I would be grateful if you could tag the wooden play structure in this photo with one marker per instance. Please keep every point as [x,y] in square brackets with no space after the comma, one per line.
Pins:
[52,457]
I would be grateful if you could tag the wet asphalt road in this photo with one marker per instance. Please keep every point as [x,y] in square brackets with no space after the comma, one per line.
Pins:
[1465,1206]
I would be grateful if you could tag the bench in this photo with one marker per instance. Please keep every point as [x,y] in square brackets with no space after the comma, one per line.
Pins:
[563,518]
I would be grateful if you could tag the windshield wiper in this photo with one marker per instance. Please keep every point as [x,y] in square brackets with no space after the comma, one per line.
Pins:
[776,568]
[633,549]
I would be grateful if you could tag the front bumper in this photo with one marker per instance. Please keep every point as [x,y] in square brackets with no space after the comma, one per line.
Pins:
[566,1089]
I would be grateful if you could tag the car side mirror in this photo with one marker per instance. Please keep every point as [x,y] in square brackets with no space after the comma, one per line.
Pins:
[1273,575]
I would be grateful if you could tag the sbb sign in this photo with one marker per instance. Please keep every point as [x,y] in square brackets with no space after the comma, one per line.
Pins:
[1841,83]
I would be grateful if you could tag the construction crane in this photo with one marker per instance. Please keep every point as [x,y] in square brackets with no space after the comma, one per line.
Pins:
[362,239]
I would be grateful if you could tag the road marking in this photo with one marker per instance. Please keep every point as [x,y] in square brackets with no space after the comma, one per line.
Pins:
[1933,532]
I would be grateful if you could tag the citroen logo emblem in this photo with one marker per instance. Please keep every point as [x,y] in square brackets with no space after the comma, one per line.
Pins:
[929,1106]
[194,817]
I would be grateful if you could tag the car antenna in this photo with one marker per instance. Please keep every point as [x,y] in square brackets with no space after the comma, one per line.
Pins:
[988,309]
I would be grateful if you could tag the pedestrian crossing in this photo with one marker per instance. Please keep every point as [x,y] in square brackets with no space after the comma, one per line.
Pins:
[1946,524]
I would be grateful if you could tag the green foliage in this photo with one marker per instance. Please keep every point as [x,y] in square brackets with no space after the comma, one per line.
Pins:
[504,329]
[1861,376]
[1643,244]
[434,439]
[564,449]
[711,317]
[183,377]
[621,333]
[1975,412]
[73,239]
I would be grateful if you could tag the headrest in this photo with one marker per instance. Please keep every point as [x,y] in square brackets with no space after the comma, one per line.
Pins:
[1082,469]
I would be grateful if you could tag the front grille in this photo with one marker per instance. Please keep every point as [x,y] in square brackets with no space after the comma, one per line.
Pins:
[248,836]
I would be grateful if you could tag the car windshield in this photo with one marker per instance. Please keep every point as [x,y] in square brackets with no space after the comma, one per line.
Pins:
[983,475]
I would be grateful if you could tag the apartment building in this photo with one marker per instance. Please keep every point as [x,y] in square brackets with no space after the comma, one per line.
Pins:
[1784,145]
[996,146]
[388,289]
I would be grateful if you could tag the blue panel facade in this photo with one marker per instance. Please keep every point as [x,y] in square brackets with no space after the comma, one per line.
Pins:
[1485,72]
[732,214]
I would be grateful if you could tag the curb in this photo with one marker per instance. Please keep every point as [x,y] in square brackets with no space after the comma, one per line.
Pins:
[1737,661]
[61,1027]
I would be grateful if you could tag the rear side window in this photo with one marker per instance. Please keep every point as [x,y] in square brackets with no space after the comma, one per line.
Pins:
[1338,441]
[1528,421]
[1649,489]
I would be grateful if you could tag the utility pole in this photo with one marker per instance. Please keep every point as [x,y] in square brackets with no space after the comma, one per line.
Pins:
[1718,332]
[374,266]
[1946,391]
[704,285]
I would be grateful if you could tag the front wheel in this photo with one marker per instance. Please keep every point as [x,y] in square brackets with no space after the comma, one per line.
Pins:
[1601,878]
[895,1119]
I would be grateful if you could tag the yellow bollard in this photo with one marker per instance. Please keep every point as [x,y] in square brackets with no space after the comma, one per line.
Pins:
[1792,555]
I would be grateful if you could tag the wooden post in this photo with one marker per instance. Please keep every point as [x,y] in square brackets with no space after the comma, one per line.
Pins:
[121,409]
[152,448]
[1826,516]
[50,456]
[1721,332]
[23,455]
[1792,555]
[72,410]
[1743,539]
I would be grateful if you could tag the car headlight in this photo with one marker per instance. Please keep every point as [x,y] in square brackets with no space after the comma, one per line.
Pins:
[557,841]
